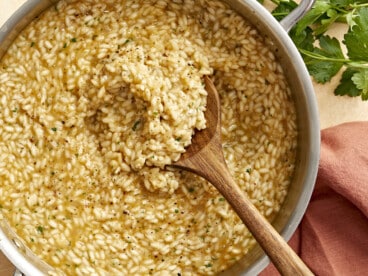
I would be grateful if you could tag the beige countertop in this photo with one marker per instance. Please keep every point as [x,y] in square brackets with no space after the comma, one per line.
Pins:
[333,110]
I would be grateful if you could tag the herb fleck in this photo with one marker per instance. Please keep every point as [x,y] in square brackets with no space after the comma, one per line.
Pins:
[136,124]
[40,229]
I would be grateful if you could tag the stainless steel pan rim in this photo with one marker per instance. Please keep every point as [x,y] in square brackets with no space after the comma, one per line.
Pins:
[309,137]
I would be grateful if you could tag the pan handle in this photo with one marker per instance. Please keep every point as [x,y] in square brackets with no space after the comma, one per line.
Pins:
[291,19]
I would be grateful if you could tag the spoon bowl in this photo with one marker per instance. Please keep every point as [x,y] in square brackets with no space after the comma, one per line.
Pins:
[205,158]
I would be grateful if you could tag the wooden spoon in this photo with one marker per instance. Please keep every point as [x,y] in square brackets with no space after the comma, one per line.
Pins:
[204,157]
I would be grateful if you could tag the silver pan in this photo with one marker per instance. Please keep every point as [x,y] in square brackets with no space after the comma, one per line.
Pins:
[302,185]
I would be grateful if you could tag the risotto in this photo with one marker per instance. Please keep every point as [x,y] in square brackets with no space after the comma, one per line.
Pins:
[97,97]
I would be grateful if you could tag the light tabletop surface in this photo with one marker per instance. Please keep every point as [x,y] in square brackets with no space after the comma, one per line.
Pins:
[333,110]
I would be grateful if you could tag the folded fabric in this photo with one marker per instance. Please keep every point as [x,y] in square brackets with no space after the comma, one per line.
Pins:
[332,238]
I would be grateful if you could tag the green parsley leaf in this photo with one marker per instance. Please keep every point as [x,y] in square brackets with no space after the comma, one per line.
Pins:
[360,79]
[343,2]
[356,39]
[319,9]
[283,9]
[304,39]
[347,86]
[325,62]
[331,17]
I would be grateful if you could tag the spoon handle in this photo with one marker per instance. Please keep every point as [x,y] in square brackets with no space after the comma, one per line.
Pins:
[215,171]
[282,256]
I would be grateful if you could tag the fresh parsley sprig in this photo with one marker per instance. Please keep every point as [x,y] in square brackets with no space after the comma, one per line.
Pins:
[323,54]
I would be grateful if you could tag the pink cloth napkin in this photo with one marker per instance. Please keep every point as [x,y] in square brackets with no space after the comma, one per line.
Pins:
[332,238]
